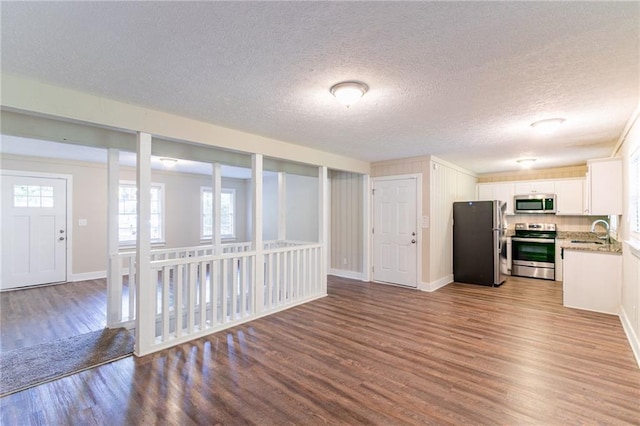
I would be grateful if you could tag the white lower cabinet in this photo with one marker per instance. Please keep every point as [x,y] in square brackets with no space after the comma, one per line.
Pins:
[592,280]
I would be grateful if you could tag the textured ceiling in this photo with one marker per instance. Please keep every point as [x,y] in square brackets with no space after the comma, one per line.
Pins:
[459,80]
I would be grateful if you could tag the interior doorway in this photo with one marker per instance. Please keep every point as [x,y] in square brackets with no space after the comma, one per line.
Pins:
[395,230]
[34,236]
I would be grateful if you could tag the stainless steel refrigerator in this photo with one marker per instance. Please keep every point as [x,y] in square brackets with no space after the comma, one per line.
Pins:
[479,242]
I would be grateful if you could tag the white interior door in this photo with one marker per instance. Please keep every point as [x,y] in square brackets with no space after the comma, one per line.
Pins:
[34,231]
[394,231]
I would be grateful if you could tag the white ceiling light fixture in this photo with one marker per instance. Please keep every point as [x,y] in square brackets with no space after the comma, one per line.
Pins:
[548,125]
[526,162]
[349,92]
[169,162]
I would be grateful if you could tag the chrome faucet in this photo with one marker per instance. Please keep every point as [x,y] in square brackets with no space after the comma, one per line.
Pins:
[605,224]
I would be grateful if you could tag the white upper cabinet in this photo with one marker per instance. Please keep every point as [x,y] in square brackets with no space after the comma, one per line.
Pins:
[570,196]
[502,191]
[604,186]
[535,187]
[486,191]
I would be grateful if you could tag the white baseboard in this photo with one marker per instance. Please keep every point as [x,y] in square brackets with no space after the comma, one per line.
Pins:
[354,275]
[85,276]
[439,283]
[634,341]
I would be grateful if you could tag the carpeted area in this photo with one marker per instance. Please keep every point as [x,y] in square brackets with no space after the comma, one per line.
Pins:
[26,367]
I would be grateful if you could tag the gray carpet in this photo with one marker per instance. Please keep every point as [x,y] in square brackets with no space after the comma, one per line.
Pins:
[26,367]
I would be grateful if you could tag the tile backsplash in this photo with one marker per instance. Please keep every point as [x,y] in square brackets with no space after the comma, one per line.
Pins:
[563,223]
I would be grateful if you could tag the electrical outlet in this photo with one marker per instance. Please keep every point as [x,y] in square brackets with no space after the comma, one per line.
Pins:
[345,261]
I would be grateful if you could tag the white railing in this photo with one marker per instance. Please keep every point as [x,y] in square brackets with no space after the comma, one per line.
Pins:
[123,276]
[199,292]
[292,273]
[196,296]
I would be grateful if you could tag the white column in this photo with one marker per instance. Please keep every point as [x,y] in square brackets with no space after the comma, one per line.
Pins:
[145,299]
[323,226]
[216,193]
[258,246]
[114,272]
[282,206]
[366,228]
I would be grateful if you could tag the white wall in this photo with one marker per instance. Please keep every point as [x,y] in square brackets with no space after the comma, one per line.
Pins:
[301,194]
[448,184]
[440,187]
[302,208]
[270,209]
[630,313]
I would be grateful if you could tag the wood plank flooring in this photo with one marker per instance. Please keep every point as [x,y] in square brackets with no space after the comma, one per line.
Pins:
[43,314]
[371,354]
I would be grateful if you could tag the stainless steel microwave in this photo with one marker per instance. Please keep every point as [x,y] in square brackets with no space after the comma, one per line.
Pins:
[534,203]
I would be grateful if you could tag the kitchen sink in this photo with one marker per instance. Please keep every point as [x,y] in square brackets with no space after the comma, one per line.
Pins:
[586,242]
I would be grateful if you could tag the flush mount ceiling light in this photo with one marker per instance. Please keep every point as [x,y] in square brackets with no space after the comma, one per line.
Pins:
[526,162]
[168,162]
[548,126]
[349,92]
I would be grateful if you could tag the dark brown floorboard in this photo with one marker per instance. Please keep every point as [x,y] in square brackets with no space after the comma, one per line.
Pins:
[43,314]
[371,354]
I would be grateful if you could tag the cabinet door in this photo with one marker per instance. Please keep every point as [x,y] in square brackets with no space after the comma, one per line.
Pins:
[592,281]
[505,192]
[569,197]
[486,192]
[502,191]
[535,187]
[605,187]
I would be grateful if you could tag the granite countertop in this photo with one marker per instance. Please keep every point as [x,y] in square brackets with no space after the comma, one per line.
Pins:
[567,236]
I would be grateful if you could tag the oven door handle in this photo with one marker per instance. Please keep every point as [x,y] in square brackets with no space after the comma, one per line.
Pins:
[533,240]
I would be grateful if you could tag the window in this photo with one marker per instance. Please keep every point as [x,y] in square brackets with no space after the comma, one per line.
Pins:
[128,215]
[228,209]
[32,196]
[634,193]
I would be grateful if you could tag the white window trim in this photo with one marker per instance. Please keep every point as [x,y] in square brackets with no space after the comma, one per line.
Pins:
[223,237]
[158,242]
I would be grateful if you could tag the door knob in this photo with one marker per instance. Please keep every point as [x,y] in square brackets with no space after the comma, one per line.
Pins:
[413,241]
[61,239]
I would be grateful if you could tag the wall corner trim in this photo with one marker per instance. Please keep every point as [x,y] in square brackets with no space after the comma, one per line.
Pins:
[437,284]
[85,276]
[634,341]
[354,275]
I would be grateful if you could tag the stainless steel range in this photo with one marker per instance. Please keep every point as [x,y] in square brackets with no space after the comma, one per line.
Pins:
[533,250]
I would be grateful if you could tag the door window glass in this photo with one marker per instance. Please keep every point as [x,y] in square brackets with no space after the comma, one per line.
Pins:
[32,196]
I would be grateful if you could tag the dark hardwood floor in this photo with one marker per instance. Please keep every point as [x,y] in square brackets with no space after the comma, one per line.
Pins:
[43,314]
[371,354]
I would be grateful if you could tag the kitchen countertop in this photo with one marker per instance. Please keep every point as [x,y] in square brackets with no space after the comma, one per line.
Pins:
[615,247]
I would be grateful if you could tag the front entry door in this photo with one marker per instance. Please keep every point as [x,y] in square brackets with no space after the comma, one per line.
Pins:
[34,231]
[394,231]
